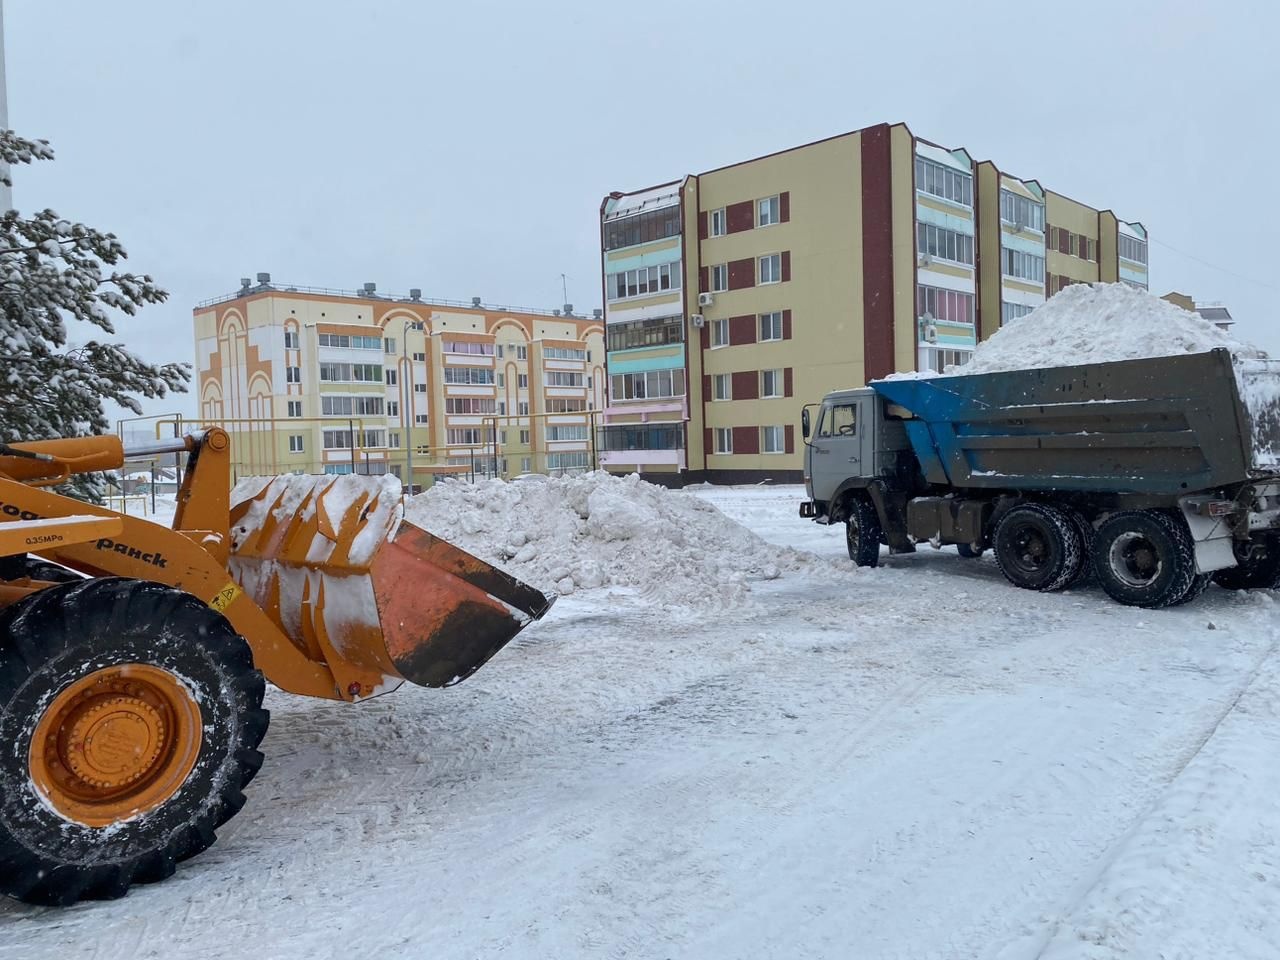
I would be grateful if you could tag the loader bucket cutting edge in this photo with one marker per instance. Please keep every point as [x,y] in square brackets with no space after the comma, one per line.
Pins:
[330,560]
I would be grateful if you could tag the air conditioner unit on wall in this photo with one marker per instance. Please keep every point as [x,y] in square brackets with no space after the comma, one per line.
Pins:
[698,320]
[925,259]
[706,299]
[930,333]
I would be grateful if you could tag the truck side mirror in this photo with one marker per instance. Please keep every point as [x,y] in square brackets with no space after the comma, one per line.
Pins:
[804,423]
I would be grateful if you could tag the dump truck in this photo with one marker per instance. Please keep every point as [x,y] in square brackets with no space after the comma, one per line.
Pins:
[1153,475]
[133,657]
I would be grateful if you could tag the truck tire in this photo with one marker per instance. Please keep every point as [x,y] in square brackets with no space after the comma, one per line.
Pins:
[16,568]
[1199,583]
[1145,558]
[862,533]
[1087,534]
[130,718]
[1037,547]
[1261,573]
[967,551]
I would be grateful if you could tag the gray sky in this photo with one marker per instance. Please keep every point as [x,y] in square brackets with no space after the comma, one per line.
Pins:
[464,148]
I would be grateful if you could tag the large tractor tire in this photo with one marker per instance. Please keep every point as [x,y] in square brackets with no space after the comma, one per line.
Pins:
[862,533]
[1146,558]
[1260,573]
[1038,547]
[16,568]
[130,718]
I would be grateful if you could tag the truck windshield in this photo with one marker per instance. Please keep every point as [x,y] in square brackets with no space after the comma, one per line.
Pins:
[838,421]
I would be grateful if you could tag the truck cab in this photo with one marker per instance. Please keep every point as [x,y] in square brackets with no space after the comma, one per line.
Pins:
[852,441]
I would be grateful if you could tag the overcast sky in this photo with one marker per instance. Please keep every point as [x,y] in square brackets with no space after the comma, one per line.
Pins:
[464,148]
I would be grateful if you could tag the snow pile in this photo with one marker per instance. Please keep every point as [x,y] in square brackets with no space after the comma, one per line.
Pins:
[1097,323]
[596,530]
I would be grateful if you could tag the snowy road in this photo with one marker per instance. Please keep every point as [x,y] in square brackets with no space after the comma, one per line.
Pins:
[916,761]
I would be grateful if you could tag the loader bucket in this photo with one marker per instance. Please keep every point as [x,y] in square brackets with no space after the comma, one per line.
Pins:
[332,561]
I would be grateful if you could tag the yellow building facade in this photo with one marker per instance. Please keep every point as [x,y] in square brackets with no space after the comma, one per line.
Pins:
[308,380]
[735,296]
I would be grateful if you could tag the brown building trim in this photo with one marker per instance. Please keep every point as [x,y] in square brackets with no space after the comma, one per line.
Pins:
[704,279]
[784,206]
[742,330]
[702,225]
[739,217]
[786,324]
[790,433]
[742,273]
[786,265]
[706,444]
[788,382]
[706,387]
[877,252]
[746,440]
[746,385]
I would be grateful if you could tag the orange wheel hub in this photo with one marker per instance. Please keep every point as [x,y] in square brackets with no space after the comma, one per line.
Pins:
[115,743]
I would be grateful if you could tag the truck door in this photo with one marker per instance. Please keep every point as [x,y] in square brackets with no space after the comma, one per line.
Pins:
[841,447]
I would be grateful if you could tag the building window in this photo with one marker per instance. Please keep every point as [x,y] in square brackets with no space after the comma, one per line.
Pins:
[717,223]
[771,268]
[467,436]
[1013,311]
[341,439]
[291,340]
[771,326]
[1021,211]
[393,440]
[497,349]
[338,469]
[720,333]
[295,408]
[351,406]
[564,353]
[939,359]
[577,460]
[646,333]
[295,443]
[344,341]
[651,385]
[522,408]
[949,305]
[294,374]
[350,372]
[469,405]
[559,433]
[522,352]
[522,381]
[556,378]
[723,437]
[525,464]
[1022,266]
[643,281]
[721,387]
[934,178]
[562,405]
[392,377]
[462,346]
[419,357]
[393,408]
[642,228]
[1132,249]
[524,438]
[771,384]
[944,244]
[767,211]
[502,379]
[774,440]
[474,375]
[419,388]
[388,344]
[720,278]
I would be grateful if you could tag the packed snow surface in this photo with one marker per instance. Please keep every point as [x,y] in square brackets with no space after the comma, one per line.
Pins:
[1097,323]
[594,530]
[913,762]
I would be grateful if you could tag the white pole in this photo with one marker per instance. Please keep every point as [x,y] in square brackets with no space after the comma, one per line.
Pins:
[6,194]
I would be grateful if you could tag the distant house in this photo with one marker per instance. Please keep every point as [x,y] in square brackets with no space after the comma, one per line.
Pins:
[1215,313]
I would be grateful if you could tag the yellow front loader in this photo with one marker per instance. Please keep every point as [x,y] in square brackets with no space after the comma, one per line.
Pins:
[132,656]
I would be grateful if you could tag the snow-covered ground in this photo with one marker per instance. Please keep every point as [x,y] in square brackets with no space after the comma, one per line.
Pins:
[917,761]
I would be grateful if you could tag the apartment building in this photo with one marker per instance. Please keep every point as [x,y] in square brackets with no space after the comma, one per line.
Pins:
[312,380]
[735,296]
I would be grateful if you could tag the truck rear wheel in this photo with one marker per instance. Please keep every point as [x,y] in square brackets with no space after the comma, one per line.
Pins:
[1259,573]
[1145,558]
[130,716]
[1037,547]
[862,533]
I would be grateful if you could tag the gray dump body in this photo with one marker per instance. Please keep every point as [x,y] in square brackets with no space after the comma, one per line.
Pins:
[1161,426]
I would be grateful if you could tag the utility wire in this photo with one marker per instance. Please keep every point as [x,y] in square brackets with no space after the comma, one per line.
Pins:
[1214,266]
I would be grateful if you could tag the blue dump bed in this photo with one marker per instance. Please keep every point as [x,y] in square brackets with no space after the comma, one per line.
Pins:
[1159,426]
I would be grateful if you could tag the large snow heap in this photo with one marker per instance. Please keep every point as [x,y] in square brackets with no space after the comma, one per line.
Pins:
[596,530]
[1095,323]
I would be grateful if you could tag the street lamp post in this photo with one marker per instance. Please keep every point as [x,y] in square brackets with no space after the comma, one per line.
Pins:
[409,418]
